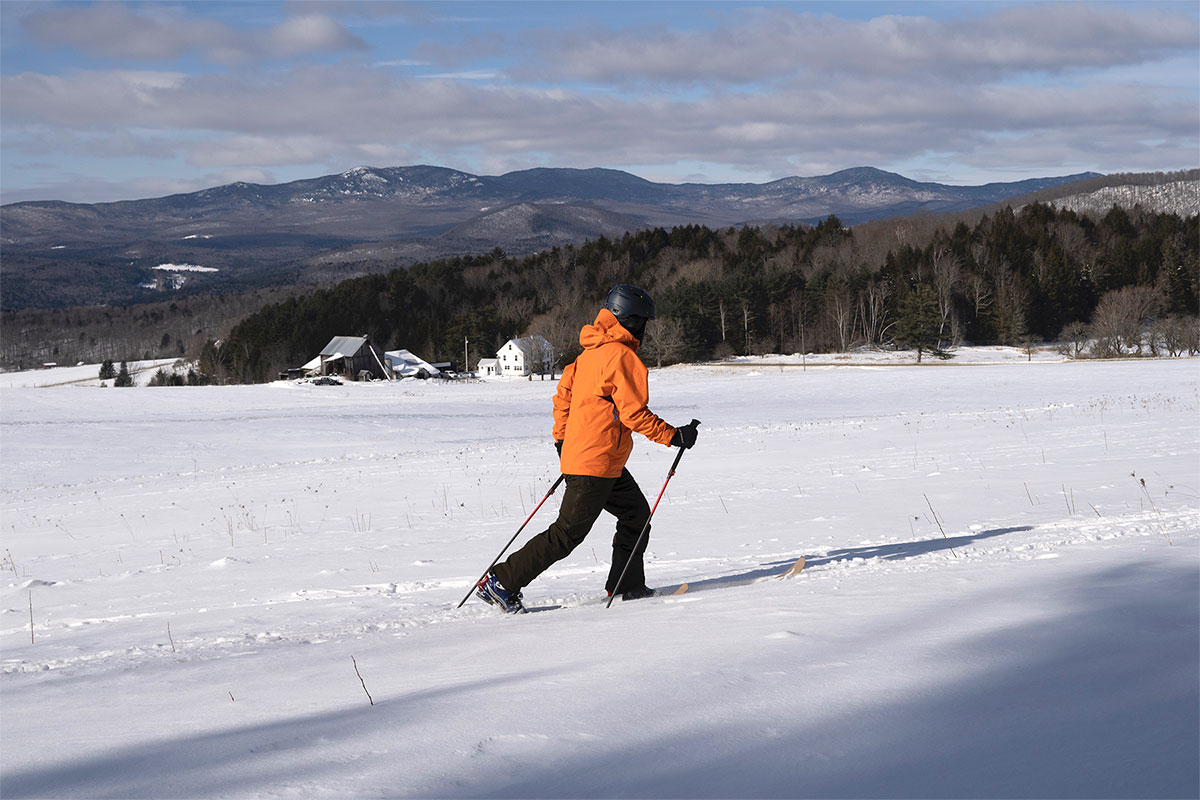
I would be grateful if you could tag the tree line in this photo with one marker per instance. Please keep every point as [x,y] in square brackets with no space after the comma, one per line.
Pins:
[175,328]
[1012,277]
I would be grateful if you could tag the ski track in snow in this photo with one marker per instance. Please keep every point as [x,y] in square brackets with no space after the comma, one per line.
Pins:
[1001,567]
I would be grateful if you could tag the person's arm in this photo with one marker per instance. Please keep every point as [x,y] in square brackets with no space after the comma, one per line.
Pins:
[562,402]
[631,396]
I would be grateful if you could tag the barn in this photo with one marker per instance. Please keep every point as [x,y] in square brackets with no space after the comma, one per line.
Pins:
[353,357]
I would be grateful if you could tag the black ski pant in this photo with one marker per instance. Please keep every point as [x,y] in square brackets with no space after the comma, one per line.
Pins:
[583,500]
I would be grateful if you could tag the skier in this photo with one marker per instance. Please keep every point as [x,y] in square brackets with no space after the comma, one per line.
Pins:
[602,397]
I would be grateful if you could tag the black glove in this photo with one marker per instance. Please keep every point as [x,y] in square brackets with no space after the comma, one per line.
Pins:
[558,446]
[685,437]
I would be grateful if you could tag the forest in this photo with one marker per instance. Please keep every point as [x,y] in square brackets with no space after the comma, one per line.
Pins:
[1035,274]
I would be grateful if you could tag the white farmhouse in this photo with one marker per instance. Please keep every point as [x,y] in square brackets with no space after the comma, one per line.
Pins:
[525,356]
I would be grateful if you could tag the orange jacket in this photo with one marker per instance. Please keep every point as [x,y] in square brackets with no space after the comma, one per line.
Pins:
[601,397]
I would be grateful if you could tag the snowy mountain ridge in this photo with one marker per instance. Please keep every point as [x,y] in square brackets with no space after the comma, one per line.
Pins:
[860,193]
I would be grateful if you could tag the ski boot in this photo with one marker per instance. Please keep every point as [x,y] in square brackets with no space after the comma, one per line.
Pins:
[491,592]
[636,594]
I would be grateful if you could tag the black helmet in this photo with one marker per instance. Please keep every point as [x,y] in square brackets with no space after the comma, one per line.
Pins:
[626,300]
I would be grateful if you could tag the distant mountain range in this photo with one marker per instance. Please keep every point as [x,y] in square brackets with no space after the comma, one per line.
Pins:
[247,235]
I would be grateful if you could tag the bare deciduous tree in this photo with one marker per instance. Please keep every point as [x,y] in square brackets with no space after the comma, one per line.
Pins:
[515,311]
[1010,308]
[873,311]
[1175,335]
[561,329]
[839,308]
[800,317]
[947,274]
[665,343]
[1120,320]
[1073,339]
[747,317]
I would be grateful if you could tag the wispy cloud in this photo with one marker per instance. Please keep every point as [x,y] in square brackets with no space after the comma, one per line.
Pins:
[467,75]
[154,33]
[778,43]
[995,92]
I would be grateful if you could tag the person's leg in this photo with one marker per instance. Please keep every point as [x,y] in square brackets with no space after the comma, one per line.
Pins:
[583,500]
[627,503]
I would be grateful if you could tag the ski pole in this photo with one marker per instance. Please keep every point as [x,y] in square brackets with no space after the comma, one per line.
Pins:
[500,555]
[646,527]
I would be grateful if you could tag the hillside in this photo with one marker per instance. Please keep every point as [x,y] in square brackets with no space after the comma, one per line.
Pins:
[1176,197]
[252,236]
[1004,276]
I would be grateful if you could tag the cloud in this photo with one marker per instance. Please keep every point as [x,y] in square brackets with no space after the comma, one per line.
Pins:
[86,99]
[160,33]
[310,34]
[320,113]
[468,75]
[415,13]
[75,187]
[47,141]
[1039,89]
[780,43]
[243,151]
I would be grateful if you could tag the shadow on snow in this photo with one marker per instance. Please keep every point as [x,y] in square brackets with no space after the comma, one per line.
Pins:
[885,552]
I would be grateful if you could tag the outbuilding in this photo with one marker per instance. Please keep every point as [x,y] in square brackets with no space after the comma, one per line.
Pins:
[405,364]
[353,357]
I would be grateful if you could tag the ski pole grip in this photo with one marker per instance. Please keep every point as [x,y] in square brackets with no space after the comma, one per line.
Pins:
[693,425]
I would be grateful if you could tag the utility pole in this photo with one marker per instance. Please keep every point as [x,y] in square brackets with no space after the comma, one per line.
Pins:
[466,356]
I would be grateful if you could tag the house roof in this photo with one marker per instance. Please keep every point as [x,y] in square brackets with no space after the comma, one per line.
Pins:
[340,346]
[405,364]
[527,343]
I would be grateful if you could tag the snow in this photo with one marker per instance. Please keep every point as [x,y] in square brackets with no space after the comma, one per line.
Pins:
[81,375]
[185,268]
[211,570]
[986,354]
[1174,197]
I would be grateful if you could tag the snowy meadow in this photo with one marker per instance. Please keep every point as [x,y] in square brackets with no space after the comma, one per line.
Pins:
[251,591]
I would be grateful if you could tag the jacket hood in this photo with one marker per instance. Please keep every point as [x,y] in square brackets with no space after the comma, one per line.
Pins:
[606,329]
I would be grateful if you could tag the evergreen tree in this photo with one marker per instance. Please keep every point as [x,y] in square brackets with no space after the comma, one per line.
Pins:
[165,377]
[107,370]
[753,289]
[123,377]
[920,322]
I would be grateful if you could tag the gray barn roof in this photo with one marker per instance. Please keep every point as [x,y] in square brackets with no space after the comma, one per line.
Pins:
[343,346]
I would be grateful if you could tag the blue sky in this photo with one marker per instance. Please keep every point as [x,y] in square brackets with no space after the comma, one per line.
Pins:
[121,100]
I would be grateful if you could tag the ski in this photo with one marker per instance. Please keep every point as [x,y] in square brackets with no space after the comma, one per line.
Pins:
[794,569]
[538,609]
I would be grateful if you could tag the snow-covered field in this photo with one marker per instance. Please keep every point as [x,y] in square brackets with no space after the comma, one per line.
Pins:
[142,371]
[201,585]
[80,375]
